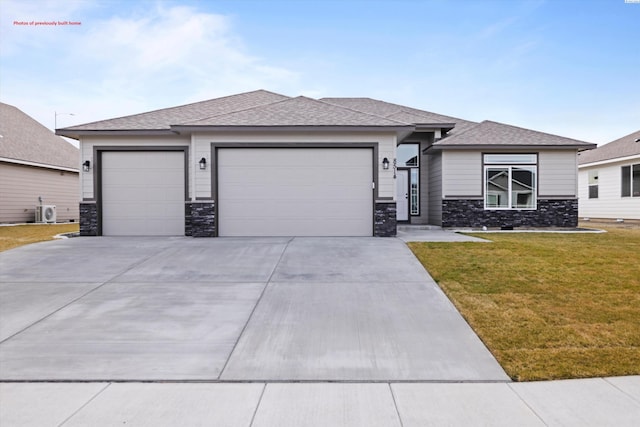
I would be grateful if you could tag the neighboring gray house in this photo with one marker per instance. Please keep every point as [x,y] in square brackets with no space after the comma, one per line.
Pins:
[609,180]
[35,163]
[264,164]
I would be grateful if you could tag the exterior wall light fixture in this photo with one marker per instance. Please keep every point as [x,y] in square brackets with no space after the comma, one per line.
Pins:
[385,163]
[203,163]
[86,166]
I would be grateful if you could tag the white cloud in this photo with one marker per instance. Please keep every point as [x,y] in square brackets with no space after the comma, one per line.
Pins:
[138,61]
[175,54]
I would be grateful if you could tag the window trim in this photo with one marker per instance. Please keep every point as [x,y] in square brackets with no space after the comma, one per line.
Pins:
[633,192]
[417,167]
[531,165]
[416,189]
[593,175]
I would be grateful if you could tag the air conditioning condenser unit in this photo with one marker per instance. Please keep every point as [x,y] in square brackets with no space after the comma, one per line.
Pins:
[46,213]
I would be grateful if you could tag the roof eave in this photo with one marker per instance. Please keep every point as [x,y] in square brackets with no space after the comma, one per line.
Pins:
[425,127]
[304,128]
[38,165]
[77,133]
[579,147]
[608,161]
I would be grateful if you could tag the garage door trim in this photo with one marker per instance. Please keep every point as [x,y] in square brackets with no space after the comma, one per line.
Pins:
[218,145]
[97,170]
[215,146]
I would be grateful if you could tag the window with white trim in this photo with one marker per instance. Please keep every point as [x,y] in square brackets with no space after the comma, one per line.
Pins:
[593,184]
[510,181]
[631,181]
[409,157]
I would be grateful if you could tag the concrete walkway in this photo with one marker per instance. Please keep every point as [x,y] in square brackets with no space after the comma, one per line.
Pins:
[431,233]
[592,402]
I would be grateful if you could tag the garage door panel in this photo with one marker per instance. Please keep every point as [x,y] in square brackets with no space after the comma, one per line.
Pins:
[143,193]
[290,191]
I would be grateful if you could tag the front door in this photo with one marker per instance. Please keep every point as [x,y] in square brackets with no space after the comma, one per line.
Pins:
[402,198]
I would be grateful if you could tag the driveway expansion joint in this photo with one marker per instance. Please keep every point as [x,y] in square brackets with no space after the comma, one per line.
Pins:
[86,403]
[284,249]
[634,398]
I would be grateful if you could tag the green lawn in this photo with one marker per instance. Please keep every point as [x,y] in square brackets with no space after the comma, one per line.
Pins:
[18,235]
[548,306]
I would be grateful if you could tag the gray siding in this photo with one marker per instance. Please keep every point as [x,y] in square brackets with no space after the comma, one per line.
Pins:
[423,190]
[463,173]
[434,170]
[557,173]
[21,185]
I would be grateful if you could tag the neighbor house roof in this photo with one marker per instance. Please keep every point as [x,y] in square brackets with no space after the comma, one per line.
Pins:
[299,111]
[399,112]
[493,134]
[623,147]
[25,141]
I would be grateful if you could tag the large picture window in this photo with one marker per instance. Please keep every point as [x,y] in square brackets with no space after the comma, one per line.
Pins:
[510,186]
[631,181]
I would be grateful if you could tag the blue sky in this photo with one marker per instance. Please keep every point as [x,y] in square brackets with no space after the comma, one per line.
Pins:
[561,66]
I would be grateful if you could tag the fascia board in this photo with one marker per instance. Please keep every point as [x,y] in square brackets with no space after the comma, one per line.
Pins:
[76,134]
[395,129]
[38,165]
[506,147]
[609,161]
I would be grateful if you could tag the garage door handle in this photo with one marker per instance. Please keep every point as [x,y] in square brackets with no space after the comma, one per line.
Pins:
[406,195]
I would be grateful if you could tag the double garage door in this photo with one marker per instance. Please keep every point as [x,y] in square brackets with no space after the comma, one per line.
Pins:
[295,192]
[260,192]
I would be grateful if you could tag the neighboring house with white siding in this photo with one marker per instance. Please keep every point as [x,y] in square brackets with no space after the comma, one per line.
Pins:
[264,164]
[609,180]
[35,164]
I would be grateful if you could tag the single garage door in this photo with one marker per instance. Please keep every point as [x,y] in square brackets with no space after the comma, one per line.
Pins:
[143,193]
[295,192]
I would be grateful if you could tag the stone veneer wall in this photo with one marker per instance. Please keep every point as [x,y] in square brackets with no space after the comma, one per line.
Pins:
[200,219]
[471,213]
[385,223]
[88,219]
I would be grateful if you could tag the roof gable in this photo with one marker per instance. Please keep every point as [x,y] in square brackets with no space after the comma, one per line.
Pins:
[489,133]
[622,147]
[299,111]
[26,140]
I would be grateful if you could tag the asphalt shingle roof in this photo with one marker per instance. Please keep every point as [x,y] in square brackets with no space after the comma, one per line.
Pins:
[164,118]
[499,134]
[267,109]
[622,147]
[299,111]
[399,112]
[25,139]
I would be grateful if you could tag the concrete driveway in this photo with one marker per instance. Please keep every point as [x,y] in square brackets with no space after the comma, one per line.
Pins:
[230,309]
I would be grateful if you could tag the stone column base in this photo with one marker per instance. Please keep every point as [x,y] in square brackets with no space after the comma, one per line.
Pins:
[200,219]
[385,223]
[88,219]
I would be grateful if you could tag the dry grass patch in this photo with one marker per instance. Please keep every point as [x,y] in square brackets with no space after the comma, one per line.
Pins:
[548,306]
[18,235]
